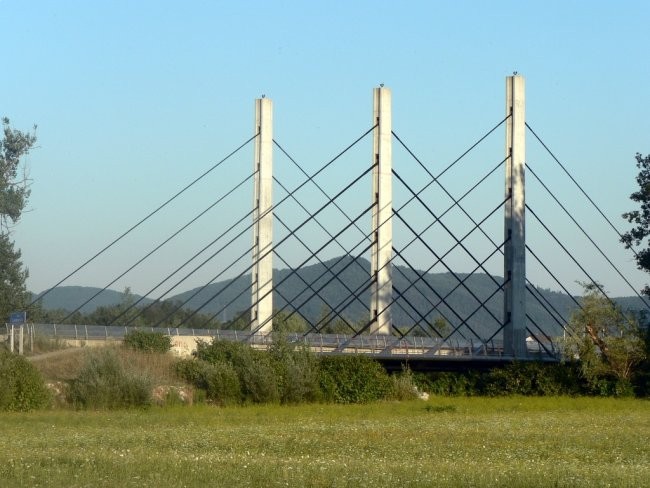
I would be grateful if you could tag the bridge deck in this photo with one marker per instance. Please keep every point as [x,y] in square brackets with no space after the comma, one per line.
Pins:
[388,349]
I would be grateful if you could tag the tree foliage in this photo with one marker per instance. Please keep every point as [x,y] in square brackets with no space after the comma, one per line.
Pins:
[14,188]
[14,192]
[21,385]
[147,341]
[12,278]
[641,217]
[607,342]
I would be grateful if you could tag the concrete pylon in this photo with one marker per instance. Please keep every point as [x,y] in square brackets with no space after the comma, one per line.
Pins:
[514,332]
[262,273]
[382,213]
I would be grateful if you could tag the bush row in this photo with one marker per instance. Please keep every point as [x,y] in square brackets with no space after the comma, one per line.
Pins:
[524,378]
[234,373]
[227,373]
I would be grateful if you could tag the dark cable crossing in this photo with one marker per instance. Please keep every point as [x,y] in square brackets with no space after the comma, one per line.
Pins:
[331,161]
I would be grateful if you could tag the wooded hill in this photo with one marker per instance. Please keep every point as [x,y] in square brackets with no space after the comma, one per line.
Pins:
[413,302]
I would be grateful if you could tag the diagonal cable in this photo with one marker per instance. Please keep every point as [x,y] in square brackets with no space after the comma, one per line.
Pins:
[441,258]
[544,304]
[163,243]
[588,236]
[576,183]
[571,256]
[144,219]
[309,285]
[423,295]
[446,266]
[444,189]
[333,239]
[302,224]
[481,139]
[444,299]
[326,165]
[345,228]
[178,269]
[553,276]
[360,290]
[436,179]
[459,242]
[315,183]
[458,285]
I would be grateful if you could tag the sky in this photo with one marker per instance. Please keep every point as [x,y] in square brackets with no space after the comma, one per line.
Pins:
[134,100]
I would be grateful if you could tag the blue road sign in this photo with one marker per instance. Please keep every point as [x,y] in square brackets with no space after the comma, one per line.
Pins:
[18,318]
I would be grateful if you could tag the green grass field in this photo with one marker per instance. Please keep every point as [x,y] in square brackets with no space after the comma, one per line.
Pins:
[442,442]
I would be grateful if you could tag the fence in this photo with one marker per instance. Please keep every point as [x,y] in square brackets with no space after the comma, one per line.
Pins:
[380,346]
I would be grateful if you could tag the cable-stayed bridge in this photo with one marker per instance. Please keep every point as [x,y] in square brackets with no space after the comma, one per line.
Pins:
[408,221]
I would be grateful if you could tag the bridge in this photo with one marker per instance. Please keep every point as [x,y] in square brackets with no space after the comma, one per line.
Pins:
[410,216]
[420,353]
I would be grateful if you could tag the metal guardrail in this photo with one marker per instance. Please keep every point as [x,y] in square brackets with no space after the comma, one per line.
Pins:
[380,346]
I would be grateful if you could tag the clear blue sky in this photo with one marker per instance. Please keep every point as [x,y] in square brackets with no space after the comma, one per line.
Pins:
[135,99]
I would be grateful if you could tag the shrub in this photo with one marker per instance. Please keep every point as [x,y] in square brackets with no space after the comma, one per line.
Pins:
[217,350]
[103,383]
[353,379]
[641,382]
[257,377]
[449,384]
[219,381]
[222,384]
[522,378]
[192,371]
[297,371]
[146,341]
[532,379]
[403,386]
[641,377]
[21,386]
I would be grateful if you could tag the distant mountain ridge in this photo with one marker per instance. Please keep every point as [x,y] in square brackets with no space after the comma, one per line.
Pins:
[70,297]
[226,299]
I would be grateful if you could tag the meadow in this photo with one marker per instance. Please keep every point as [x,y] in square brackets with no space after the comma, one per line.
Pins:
[445,441]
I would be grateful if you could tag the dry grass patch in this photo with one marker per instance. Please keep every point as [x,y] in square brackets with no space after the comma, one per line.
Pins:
[61,368]
[66,364]
[63,365]
[157,366]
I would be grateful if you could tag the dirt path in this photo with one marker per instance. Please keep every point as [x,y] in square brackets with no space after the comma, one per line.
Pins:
[52,354]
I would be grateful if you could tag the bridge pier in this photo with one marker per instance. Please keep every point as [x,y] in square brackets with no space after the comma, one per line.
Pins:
[382,213]
[262,272]
[514,316]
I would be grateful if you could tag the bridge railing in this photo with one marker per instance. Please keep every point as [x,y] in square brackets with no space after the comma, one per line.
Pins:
[375,345]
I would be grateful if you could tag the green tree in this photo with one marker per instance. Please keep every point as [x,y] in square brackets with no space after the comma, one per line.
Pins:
[441,326]
[329,322]
[284,323]
[640,218]
[607,342]
[14,192]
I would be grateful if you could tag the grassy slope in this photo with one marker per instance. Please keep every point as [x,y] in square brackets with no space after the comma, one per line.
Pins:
[65,364]
[444,442]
